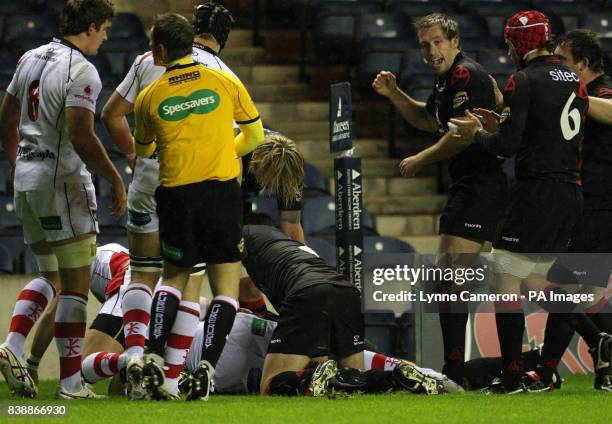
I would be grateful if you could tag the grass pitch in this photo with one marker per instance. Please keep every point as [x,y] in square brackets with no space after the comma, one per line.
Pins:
[577,402]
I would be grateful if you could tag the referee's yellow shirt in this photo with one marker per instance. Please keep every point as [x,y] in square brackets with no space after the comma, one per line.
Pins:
[189,114]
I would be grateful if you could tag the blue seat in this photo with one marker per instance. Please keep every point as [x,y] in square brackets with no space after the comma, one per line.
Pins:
[381,244]
[324,249]
[8,218]
[22,45]
[346,7]
[14,7]
[105,70]
[315,182]
[496,62]
[7,261]
[30,26]
[15,246]
[118,62]
[382,25]
[5,178]
[8,64]
[601,23]
[29,264]
[381,330]
[49,7]
[371,63]
[127,34]
[418,8]
[493,7]
[414,72]
[266,205]
[471,26]
[318,215]
[420,94]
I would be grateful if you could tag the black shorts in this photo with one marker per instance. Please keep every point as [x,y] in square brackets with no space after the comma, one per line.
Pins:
[200,222]
[475,206]
[320,320]
[589,259]
[541,217]
[111,325]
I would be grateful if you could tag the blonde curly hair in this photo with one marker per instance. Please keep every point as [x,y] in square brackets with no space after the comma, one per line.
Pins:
[278,165]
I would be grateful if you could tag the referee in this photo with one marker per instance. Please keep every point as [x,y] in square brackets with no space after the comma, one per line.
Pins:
[186,117]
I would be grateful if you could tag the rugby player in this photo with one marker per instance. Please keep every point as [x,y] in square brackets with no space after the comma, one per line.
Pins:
[544,108]
[581,51]
[187,117]
[478,190]
[49,137]
[239,368]
[212,24]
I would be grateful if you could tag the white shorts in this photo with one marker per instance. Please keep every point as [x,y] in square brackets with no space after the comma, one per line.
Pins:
[112,305]
[53,215]
[142,212]
[243,354]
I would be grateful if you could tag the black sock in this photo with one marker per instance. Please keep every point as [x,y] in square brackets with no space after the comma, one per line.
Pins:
[219,322]
[453,334]
[378,381]
[585,327]
[290,383]
[557,337]
[603,318]
[510,327]
[163,314]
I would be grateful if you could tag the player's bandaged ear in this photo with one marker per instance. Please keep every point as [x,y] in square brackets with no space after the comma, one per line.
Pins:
[76,255]
[47,263]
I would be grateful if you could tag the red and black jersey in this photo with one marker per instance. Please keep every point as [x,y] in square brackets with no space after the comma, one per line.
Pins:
[464,87]
[280,266]
[543,118]
[597,146]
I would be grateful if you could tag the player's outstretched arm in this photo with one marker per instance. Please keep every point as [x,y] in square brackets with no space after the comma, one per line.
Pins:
[600,110]
[413,111]
[443,149]
[80,124]
[9,127]
[113,116]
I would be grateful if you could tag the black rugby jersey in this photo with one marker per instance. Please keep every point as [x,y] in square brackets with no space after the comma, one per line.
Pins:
[280,266]
[464,87]
[545,107]
[596,172]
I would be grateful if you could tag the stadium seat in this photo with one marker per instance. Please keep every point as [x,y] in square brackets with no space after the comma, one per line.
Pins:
[334,28]
[420,94]
[107,223]
[601,23]
[127,34]
[49,7]
[415,72]
[22,45]
[8,63]
[315,183]
[30,26]
[15,245]
[318,216]
[105,71]
[381,330]
[5,178]
[371,63]
[266,205]
[8,218]
[324,249]
[382,25]
[119,64]
[493,7]
[569,12]
[14,7]
[7,264]
[381,244]
[496,62]
[29,264]
[417,8]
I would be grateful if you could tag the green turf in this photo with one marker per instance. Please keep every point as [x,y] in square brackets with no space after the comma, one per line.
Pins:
[577,402]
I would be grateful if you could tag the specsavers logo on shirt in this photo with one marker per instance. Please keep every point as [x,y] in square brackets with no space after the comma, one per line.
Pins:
[178,107]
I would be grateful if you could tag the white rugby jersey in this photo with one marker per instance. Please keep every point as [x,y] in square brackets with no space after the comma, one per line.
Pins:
[110,270]
[142,73]
[47,80]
